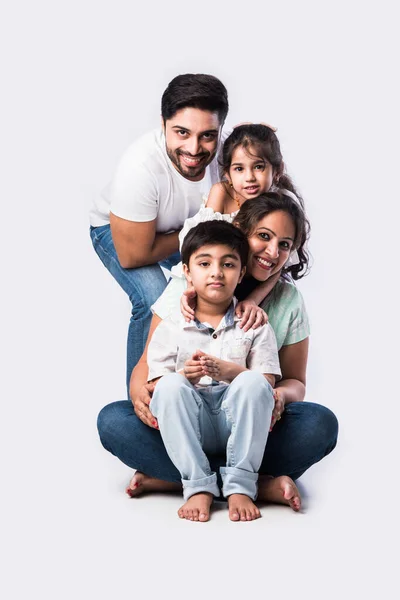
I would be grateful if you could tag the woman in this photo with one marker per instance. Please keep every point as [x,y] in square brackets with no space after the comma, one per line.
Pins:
[302,432]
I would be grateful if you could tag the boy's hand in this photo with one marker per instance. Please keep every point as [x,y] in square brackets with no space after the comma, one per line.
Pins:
[193,369]
[278,408]
[218,369]
[188,303]
[141,405]
[250,314]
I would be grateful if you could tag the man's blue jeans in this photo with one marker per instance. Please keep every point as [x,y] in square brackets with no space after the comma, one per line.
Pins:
[305,434]
[143,286]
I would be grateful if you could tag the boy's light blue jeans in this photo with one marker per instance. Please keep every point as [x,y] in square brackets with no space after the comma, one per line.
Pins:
[143,286]
[195,421]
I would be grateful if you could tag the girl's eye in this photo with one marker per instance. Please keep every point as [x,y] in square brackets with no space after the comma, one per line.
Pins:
[259,167]
[264,236]
[238,169]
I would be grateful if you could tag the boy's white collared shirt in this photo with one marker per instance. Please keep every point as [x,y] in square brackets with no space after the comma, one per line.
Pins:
[174,341]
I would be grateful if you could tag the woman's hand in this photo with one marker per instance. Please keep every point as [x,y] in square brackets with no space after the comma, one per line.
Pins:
[188,303]
[250,314]
[141,405]
[278,408]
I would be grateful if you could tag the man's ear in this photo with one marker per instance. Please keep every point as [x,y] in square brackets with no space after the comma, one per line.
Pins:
[242,272]
[186,272]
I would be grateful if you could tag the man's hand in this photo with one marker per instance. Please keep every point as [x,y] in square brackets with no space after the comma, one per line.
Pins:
[141,405]
[251,315]
[278,408]
[188,303]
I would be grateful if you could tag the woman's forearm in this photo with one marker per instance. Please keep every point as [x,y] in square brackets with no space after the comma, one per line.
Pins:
[138,378]
[293,390]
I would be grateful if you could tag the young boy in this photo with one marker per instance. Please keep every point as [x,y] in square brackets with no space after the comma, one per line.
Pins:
[215,391]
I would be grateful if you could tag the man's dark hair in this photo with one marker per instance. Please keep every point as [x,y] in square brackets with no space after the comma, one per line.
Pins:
[205,92]
[215,233]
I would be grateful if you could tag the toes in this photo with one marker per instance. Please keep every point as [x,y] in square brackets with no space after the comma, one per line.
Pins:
[234,515]
[203,516]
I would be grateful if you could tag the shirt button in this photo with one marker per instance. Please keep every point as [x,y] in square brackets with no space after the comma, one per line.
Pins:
[215,336]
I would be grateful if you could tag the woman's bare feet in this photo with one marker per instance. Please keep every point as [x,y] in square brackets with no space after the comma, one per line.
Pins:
[242,508]
[280,490]
[141,483]
[197,508]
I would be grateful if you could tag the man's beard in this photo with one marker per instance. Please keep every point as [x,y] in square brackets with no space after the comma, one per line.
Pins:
[185,170]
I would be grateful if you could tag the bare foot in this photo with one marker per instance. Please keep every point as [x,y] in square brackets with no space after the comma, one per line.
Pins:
[141,483]
[280,490]
[197,508]
[242,508]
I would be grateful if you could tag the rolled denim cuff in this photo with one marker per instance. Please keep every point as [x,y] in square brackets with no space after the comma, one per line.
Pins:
[238,481]
[205,484]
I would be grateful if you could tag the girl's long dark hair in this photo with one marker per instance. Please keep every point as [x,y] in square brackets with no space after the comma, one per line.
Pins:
[260,141]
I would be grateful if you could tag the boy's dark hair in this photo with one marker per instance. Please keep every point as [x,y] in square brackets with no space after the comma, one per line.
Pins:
[205,92]
[215,233]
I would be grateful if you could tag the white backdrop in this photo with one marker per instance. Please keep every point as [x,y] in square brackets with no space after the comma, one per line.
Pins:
[81,80]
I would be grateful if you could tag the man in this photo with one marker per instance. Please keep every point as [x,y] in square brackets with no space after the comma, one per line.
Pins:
[158,183]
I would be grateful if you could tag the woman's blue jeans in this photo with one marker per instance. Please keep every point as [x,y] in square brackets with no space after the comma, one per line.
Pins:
[305,434]
[143,286]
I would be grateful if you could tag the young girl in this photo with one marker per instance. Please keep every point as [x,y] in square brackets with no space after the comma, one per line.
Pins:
[251,165]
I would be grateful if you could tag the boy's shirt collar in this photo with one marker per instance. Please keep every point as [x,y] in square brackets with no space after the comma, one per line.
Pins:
[228,320]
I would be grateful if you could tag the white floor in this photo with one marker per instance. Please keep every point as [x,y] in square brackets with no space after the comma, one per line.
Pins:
[81,81]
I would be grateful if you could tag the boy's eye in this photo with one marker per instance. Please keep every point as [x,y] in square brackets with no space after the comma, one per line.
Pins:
[204,264]
[181,132]
[229,265]
[209,136]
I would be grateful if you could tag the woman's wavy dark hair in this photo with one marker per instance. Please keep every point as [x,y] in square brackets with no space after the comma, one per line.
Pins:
[263,144]
[252,211]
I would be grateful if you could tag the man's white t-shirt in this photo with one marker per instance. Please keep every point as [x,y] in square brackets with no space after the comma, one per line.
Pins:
[146,186]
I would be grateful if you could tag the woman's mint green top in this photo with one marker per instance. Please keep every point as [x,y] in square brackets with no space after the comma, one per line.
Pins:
[287,314]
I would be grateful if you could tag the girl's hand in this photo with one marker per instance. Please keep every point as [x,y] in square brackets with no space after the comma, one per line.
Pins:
[141,405]
[250,314]
[188,303]
[278,408]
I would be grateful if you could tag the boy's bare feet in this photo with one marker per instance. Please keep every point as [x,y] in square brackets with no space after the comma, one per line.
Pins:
[242,508]
[280,490]
[197,508]
[141,483]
